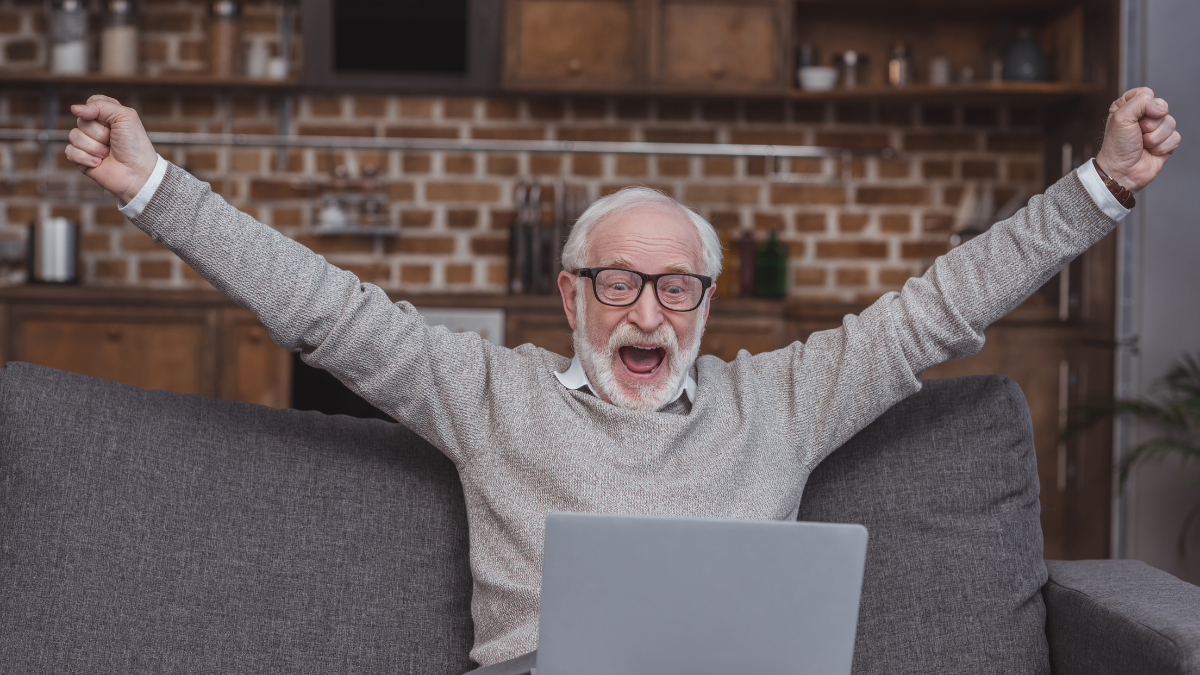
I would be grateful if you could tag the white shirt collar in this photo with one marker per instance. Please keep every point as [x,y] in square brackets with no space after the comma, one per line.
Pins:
[574,378]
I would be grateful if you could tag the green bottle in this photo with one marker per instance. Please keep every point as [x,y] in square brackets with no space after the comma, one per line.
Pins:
[770,269]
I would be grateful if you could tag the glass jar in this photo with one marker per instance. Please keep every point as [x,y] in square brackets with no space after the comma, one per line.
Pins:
[68,38]
[119,39]
[224,42]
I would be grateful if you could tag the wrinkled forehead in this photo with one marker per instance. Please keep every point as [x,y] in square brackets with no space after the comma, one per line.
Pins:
[648,239]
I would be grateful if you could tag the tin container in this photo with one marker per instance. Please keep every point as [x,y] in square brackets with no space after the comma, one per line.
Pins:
[53,251]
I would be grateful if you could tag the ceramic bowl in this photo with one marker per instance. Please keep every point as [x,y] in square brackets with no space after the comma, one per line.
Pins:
[818,78]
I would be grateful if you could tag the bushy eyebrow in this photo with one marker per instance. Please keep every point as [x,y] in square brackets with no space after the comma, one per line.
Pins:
[617,262]
[680,267]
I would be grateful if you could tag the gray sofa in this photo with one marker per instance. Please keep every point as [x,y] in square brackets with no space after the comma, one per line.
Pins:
[147,531]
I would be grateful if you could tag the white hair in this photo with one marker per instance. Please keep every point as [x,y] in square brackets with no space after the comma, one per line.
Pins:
[574,254]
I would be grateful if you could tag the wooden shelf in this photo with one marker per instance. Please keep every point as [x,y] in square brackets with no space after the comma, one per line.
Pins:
[1040,90]
[1035,90]
[11,77]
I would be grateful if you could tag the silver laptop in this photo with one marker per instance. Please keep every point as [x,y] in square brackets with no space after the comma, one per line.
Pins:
[643,595]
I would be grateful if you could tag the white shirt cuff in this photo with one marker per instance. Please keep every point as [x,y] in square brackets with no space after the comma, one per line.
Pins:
[1099,191]
[134,208]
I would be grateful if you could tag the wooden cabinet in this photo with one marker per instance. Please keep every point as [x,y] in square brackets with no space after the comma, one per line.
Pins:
[124,345]
[201,343]
[189,342]
[647,45]
[733,325]
[699,45]
[545,327]
[253,368]
[754,325]
[573,44]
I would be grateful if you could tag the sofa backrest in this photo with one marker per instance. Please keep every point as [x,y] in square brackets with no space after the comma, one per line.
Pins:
[152,531]
[147,531]
[946,483]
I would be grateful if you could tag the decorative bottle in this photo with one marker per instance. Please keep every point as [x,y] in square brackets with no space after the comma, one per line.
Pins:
[770,269]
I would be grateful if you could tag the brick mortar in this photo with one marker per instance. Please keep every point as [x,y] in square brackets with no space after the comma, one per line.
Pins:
[484,193]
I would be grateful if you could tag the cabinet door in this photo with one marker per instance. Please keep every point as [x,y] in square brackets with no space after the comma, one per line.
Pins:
[724,337]
[572,44]
[546,329]
[720,45]
[1057,371]
[172,352]
[254,368]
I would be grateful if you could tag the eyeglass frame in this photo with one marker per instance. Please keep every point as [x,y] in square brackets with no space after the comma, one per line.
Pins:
[647,279]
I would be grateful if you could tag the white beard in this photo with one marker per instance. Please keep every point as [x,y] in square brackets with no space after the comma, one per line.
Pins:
[598,362]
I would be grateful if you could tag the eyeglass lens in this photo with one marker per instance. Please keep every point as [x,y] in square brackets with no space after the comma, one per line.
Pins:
[675,291]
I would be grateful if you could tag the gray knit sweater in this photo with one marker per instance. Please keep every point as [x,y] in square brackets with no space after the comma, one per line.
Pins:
[526,446]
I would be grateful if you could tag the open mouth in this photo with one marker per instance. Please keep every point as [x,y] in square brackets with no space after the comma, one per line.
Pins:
[642,360]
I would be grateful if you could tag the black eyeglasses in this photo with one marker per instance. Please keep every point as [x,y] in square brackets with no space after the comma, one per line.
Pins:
[619,287]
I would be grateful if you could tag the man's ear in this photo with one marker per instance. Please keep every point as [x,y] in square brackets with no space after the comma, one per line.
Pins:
[712,290]
[567,288]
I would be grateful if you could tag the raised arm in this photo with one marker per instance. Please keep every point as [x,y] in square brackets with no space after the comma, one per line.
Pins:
[842,379]
[425,377]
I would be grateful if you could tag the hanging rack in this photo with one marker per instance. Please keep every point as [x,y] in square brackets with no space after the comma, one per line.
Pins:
[770,153]
[467,145]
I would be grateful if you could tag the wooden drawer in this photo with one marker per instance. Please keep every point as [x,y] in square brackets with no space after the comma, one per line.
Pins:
[577,44]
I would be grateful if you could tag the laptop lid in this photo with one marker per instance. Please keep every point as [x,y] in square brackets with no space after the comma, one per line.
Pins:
[648,595]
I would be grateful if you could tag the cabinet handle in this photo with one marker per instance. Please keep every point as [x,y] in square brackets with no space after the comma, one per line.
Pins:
[716,70]
[114,334]
[574,66]
[256,336]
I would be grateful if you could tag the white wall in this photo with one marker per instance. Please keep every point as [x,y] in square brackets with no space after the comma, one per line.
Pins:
[1164,54]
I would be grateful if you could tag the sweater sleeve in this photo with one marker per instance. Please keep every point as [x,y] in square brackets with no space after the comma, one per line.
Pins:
[429,379]
[842,379]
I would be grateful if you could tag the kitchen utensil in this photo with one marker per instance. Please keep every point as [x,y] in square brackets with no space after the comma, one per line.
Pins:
[257,57]
[53,251]
[850,61]
[818,78]
[939,71]
[1025,61]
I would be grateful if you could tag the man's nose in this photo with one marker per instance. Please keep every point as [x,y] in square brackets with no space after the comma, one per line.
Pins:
[647,313]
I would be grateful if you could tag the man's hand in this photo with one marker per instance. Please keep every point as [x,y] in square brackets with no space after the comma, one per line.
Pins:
[1139,138]
[111,147]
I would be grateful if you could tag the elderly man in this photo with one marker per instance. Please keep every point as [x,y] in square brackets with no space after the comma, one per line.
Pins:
[635,423]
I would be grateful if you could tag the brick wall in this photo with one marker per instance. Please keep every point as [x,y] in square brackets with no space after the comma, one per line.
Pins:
[848,240]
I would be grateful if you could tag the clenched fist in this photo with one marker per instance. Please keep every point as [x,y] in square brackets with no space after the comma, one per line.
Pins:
[1139,138]
[111,147]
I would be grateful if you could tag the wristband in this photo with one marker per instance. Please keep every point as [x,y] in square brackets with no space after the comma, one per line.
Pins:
[1122,193]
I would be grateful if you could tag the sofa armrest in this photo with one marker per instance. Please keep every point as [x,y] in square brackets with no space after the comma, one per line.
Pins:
[1120,616]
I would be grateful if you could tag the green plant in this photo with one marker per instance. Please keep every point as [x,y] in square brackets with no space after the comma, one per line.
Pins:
[1175,411]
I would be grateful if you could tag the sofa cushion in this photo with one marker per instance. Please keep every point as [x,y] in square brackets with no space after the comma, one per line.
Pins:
[147,531]
[946,483]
